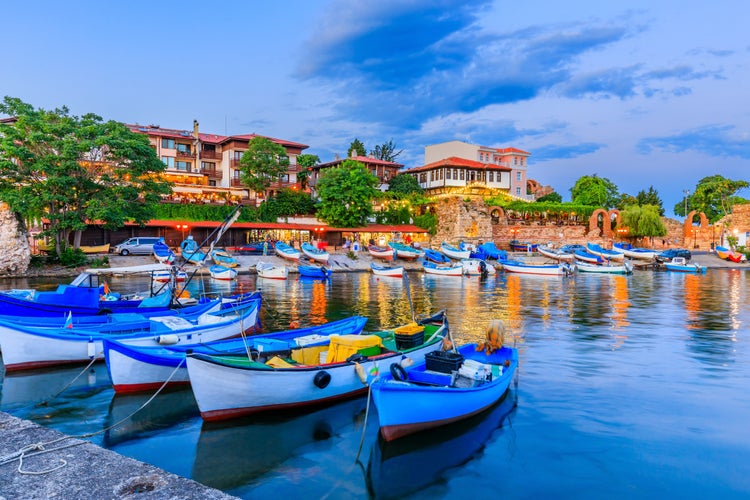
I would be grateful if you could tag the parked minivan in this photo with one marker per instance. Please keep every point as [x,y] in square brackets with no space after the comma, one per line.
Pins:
[141,245]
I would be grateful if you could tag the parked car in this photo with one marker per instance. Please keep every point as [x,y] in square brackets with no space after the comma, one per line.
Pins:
[141,245]
[672,253]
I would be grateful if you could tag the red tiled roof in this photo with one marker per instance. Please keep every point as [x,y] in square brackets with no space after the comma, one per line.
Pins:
[208,138]
[454,161]
[362,159]
[506,150]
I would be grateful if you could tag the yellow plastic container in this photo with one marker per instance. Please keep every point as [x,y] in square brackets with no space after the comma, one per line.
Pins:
[309,355]
[343,346]
[410,329]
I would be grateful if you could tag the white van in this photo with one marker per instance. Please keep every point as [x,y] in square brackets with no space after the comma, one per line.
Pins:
[142,245]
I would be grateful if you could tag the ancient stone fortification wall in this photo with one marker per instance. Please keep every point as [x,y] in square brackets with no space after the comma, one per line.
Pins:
[462,220]
[14,246]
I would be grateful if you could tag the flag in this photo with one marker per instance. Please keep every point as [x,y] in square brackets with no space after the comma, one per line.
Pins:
[374,371]
[69,320]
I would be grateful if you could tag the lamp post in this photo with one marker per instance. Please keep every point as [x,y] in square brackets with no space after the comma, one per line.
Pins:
[182,228]
[687,193]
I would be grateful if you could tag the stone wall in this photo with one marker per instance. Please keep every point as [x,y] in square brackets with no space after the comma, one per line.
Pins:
[462,220]
[14,246]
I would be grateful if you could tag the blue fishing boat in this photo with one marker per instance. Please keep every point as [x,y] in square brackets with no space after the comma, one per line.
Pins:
[435,256]
[137,368]
[219,272]
[223,258]
[604,253]
[522,246]
[453,252]
[316,254]
[491,251]
[442,269]
[163,253]
[679,264]
[286,252]
[587,256]
[405,251]
[428,394]
[318,272]
[191,252]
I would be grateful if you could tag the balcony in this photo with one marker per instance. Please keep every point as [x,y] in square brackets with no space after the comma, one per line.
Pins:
[212,173]
[210,155]
[236,182]
[281,185]
[185,154]
[234,162]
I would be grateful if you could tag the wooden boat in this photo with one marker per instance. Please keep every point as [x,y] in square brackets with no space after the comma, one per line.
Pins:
[679,264]
[167,276]
[555,253]
[89,249]
[87,294]
[318,272]
[139,368]
[232,386]
[191,252]
[585,267]
[223,258]
[384,253]
[585,256]
[427,394]
[219,272]
[477,267]
[636,253]
[605,253]
[266,270]
[435,256]
[522,246]
[405,251]
[315,254]
[442,270]
[453,252]
[28,347]
[163,254]
[727,254]
[514,266]
[391,271]
[286,252]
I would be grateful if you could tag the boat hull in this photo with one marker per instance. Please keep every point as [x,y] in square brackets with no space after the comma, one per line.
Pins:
[545,270]
[315,254]
[584,267]
[392,272]
[219,272]
[555,254]
[454,253]
[286,252]
[405,408]
[383,253]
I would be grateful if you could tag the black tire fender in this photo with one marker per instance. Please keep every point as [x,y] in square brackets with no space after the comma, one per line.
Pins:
[398,372]
[322,379]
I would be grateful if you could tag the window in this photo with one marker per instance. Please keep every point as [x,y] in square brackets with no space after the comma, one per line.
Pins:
[237,155]
[432,175]
[168,161]
[518,191]
[455,174]
[167,143]
[448,176]
[518,176]
[183,148]
[462,174]
[207,165]
[183,165]
[491,177]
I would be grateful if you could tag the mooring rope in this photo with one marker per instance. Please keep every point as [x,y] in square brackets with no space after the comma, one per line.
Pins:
[65,387]
[41,447]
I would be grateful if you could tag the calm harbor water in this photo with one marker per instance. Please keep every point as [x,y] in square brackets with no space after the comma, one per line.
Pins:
[628,386]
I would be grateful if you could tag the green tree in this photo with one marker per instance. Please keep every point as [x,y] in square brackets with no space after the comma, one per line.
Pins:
[307,162]
[714,196]
[386,151]
[643,221]
[405,184]
[624,200]
[594,190]
[650,198]
[286,203]
[346,194]
[72,170]
[357,146]
[553,197]
[263,163]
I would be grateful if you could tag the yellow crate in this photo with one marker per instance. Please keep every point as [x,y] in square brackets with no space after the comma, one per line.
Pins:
[343,346]
[410,329]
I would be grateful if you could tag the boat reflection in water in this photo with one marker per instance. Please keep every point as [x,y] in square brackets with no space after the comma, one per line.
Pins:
[404,466]
[34,387]
[234,453]
[135,415]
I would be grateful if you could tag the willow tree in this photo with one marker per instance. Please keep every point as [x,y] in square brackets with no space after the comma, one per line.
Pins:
[73,170]
[643,221]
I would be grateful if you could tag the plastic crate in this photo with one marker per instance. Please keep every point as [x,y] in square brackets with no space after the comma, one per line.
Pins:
[409,341]
[410,329]
[443,361]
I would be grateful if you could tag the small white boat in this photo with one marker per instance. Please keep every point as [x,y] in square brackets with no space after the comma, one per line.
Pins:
[315,254]
[637,253]
[453,252]
[166,275]
[219,272]
[287,252]
[444,270]
[266,270]
[554,253]
[405,251]
[585,267]
[391,271]
[679,264]
[477,267]
[513,266]
[385,253]
[605,253]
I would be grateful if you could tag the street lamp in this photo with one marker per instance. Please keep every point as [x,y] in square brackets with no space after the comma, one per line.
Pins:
[183,228]
[687,193]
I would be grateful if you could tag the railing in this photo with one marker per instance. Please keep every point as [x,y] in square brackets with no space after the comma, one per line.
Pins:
[212,173]
[234,162]
[210,155]
[185,154]
[281,185]
[236,182]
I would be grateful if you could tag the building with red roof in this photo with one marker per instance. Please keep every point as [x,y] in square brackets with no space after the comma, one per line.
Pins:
[382,169]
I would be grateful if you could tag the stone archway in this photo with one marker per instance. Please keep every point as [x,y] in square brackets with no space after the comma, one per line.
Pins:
[497,214]
[606,221]
[687,227]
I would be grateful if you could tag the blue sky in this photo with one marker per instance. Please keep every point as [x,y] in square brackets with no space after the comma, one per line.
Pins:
[644,93]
